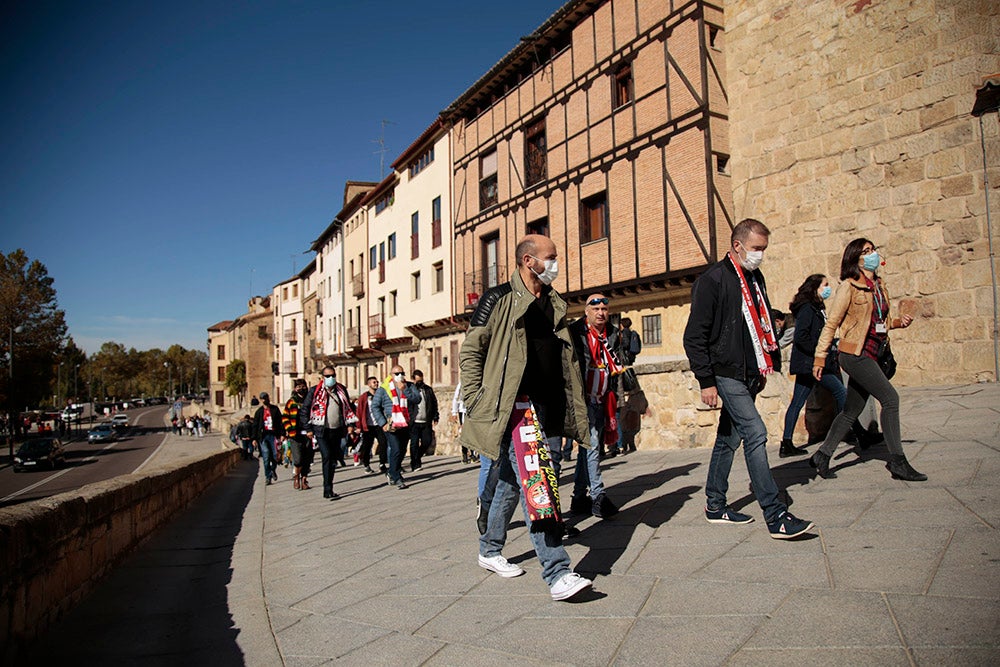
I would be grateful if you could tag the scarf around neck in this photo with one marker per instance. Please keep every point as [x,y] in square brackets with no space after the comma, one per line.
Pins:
[758,321]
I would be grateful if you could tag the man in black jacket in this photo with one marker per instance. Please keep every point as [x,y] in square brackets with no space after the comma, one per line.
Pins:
[731,346]
[597,344]
[422,429]
[268,429]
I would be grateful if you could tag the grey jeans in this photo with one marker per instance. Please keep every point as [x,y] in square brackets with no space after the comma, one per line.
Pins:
[866,379]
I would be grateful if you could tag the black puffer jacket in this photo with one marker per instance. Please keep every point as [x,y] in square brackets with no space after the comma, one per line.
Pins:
[809,321]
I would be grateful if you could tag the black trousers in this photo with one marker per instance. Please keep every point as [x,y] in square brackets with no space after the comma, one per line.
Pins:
[368,438]
[421,436]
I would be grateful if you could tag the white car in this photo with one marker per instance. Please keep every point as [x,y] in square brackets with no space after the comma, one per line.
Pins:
[119,421]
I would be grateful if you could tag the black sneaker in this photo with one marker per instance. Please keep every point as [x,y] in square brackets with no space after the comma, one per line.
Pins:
[787,526]
[401,485]
[727,515]
[603,508]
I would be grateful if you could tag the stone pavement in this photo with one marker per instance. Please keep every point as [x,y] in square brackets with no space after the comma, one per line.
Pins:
[897,573]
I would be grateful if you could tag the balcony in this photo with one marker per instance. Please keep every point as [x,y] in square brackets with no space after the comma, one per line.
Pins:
[358,285]
[353,337]
[291,336]
[289,367]
[376,327]
[477,282]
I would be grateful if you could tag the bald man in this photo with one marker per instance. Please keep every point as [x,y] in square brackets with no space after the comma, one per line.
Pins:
[518,347]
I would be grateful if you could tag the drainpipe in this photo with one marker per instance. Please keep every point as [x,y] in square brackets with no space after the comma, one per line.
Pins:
[988,101]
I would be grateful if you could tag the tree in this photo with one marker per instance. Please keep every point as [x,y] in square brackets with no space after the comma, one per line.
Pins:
[28,301]
[236,380]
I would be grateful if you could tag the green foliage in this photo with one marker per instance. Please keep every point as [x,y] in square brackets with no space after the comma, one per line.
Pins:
[28,301]
[236,379]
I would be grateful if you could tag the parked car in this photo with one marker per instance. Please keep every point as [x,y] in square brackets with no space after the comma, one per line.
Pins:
[119,421]
[39,452]
[102,433]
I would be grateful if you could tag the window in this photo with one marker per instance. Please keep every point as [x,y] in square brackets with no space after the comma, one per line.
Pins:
[372,258]
[284,294]
[392,303]
[594,218]
[722,163]
[415,235]
[295,291]
[425,159]
[392,245]
[381,262]
[384,202]
[540,226]
[534,153]
[651,330]
[622,91]
[491,250]
[438,284]
[436,222]
[414,286]
[488,180]
[220,397]
[220,374]
[221,353]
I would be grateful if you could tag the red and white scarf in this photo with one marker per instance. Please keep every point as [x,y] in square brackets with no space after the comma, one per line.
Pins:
[758,321]
[317,415]
[400,411]
[602,367]
[534,468]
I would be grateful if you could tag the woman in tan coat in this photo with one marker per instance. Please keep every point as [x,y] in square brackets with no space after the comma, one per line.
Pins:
[860,309]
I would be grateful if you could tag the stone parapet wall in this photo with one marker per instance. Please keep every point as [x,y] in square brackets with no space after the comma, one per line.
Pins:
[852,118]
[676,418]
[52,551]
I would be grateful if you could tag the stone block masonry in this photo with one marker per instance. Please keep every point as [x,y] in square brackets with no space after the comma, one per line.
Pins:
[852,119]
[54,550]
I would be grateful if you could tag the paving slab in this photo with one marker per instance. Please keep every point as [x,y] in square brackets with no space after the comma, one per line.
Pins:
[895,573]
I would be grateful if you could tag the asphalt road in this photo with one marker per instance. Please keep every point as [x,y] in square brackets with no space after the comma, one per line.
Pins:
[88,463]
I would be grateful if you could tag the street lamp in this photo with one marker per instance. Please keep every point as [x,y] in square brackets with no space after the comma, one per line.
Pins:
[170,380]
[59,386]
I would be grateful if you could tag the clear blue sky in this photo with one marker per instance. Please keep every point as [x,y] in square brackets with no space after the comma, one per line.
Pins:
[155,155]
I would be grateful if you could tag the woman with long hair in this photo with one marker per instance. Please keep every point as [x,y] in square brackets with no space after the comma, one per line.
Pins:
[860,309]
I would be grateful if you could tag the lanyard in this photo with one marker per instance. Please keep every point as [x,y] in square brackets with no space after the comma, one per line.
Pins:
[879,300]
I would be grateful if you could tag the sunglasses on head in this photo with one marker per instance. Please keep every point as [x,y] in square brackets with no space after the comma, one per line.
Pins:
[594,302]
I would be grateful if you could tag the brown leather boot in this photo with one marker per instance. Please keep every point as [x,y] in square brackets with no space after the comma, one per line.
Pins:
[295,480]
[305,482]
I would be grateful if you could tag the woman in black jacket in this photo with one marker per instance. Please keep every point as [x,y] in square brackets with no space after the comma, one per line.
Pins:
[810,316]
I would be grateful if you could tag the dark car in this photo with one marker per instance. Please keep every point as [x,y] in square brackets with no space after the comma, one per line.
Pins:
[39,452]
[102,433]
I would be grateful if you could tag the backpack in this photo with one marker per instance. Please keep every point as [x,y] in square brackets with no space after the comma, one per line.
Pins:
[634,344]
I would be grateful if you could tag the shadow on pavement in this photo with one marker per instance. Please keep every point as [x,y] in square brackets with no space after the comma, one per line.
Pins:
[143,612]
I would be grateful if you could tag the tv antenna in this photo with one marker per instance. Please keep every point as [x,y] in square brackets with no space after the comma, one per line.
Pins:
[381,150]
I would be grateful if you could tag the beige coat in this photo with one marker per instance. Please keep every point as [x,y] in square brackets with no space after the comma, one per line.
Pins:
[851,312]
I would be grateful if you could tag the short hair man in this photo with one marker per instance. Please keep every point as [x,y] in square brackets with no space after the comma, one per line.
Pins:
[518,346]
[327,410]
[597,343]
[267,429]
[393,407]
[424,421]
[731,346]
[371,432]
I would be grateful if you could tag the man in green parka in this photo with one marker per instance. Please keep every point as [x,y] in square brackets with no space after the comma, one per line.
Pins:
[518,344]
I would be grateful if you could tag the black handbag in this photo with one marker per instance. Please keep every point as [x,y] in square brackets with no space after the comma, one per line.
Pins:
[885,360]
[630,382]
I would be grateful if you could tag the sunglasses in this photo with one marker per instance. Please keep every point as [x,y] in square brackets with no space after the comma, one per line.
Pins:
[594,302]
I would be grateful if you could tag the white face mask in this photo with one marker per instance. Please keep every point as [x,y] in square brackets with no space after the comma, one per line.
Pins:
[398,377]
[550,273]
[753,260]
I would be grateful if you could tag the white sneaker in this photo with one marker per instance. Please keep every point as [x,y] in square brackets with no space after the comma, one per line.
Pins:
[569,585]
[500,565]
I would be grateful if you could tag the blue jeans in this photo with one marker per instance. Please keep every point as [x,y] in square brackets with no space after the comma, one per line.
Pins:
[267,456]
[548,545]
[803,386]
[738,422]
[397,440]
[486,466]
[588,461]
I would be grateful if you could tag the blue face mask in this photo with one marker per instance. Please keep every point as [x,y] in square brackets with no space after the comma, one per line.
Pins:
[871,261]
[329,382]
[825,292]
